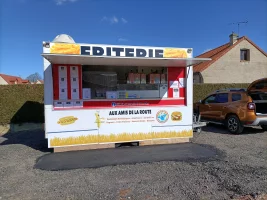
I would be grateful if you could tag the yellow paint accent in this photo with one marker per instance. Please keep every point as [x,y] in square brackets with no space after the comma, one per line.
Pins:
[97,120]
[67,120]
[88,139]
[65,48]
[175,53]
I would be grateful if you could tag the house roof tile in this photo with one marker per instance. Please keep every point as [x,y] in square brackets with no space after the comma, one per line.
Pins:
[12,79]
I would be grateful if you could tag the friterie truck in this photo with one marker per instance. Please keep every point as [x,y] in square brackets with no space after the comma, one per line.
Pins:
[97,96]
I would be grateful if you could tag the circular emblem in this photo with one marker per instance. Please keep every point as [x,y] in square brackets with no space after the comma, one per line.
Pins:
[162,116]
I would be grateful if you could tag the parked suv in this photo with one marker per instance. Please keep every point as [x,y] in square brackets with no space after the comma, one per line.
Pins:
[236,108]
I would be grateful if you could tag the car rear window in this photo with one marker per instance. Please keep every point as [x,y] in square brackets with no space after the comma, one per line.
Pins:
[236,97]
[260,85]
[259,96]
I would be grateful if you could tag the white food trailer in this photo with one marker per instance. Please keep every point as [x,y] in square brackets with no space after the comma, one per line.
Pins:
[99,95]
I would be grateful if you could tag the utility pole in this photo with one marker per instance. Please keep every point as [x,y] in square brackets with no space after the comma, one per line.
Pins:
[238,23]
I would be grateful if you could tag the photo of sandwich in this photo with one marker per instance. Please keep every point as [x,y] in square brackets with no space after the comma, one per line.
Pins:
[176,116]
[65,48]
[174,53]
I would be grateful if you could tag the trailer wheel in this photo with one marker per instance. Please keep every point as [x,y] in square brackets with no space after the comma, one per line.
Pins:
[198,130]
[264,127]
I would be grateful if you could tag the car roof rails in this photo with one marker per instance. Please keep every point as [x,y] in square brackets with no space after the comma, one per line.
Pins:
[232,90]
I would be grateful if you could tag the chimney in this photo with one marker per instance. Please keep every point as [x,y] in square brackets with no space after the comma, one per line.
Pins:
[233,38]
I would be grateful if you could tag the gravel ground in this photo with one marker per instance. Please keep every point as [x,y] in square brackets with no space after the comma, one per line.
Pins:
[240,171]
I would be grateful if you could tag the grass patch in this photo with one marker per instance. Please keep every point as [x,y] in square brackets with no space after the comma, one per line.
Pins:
[123,137]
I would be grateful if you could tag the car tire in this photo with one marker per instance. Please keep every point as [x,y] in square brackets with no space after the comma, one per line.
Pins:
[234,125]
[264,127]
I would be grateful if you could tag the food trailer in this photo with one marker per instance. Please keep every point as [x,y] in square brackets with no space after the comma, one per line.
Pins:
[97,96]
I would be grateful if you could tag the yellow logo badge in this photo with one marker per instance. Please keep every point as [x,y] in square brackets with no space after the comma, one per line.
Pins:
[176,116]
[67,120]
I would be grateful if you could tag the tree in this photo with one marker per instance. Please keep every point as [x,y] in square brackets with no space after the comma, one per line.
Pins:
[34,77]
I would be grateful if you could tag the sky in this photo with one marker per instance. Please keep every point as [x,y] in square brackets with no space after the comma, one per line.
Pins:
[197,24]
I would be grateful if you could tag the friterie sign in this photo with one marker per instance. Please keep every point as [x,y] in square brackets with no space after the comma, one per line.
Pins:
[120,51]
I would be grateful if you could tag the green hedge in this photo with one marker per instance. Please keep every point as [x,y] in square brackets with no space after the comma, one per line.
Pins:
[201,90]
[21,103]
[24,103]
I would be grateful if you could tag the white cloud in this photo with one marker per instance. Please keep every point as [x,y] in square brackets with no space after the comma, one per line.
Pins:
[122,40]
[206,50]
[114,20]
[104,18]
[60,2]
[124,20]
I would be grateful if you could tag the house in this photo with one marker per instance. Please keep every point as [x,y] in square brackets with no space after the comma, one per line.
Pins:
[238,61]
[12,80]
[38,82]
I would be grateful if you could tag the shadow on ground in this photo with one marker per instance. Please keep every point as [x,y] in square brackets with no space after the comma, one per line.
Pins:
[34,139]
[186,152]
[29,112]
[214,128]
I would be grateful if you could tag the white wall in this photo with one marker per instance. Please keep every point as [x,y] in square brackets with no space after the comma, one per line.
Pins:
[2,81]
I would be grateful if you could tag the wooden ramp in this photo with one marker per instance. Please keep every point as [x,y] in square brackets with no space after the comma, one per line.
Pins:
[116,145]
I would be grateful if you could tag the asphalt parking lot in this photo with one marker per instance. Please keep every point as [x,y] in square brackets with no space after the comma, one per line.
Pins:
[239,169]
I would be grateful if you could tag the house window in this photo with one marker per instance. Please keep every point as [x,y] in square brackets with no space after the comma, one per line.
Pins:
[244,55]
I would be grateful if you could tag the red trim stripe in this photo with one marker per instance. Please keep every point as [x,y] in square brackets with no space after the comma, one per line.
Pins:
[132,103]
[185,89]
[182,90]
[174,74]
[55,82]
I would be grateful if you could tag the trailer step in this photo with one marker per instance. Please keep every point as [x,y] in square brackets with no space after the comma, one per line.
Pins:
[121,145]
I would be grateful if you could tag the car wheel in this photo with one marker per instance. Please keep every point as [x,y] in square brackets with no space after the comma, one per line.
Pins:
[234,125]
[264,127]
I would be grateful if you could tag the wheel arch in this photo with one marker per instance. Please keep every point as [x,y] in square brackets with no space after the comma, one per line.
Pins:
[231,113]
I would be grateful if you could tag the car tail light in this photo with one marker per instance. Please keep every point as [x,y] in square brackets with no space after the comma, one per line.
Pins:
[251,106]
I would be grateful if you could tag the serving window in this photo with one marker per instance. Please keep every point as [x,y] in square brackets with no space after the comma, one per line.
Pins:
[109,82]
[76,85]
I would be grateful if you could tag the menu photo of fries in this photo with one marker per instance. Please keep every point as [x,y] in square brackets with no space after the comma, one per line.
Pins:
[175,53]
[62,48]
